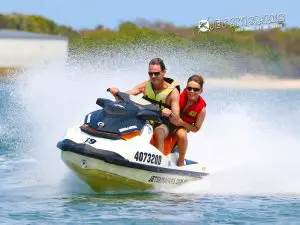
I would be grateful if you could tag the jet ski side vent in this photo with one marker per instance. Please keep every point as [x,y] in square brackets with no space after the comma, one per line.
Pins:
[103,134]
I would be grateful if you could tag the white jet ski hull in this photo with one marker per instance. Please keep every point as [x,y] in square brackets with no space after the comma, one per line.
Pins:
[133,164]
[103,176]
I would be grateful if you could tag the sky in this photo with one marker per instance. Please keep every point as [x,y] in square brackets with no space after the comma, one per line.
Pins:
[110,13]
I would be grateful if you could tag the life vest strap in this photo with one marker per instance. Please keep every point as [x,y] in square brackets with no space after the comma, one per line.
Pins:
[159,103]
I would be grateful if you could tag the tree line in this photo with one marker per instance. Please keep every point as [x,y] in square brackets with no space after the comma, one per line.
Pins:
[275,48]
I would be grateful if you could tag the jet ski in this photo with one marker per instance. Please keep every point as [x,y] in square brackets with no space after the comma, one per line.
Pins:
[111,149]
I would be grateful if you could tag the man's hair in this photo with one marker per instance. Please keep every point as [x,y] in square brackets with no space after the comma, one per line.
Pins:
[158,61]
[197,78]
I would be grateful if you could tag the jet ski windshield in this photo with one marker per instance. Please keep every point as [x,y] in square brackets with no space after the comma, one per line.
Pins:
[139,102]
[116,117]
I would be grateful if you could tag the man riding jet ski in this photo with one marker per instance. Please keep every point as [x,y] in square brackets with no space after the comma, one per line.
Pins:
[163,92]
[111,150]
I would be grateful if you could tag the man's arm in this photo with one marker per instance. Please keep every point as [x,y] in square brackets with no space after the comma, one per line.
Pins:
[138,89]
[175,102]
[134,91]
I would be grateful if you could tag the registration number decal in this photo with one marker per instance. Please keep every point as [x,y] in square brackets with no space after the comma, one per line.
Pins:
[147,157]
[166,180]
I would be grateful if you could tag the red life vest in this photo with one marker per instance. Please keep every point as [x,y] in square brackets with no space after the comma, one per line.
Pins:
[191,113]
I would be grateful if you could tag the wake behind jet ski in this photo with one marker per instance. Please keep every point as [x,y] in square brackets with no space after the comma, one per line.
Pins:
[111,150]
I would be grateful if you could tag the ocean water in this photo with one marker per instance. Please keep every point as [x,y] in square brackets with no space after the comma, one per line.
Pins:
[249,142]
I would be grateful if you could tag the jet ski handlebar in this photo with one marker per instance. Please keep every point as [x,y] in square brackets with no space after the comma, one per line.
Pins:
[137,100]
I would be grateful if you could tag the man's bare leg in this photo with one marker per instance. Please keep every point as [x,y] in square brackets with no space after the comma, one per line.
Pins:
[160,133]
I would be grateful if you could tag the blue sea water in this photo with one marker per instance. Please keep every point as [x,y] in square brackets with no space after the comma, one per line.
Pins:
[250,141]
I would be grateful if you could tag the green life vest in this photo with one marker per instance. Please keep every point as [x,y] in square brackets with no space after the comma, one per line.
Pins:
[160,98]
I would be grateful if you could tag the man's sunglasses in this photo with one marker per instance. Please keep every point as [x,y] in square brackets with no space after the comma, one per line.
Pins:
[194,89]
[154,73]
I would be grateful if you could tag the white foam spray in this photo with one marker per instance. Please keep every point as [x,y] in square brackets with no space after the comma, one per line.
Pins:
[245,156]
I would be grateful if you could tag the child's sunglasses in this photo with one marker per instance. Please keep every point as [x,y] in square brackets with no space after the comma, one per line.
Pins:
[194,89]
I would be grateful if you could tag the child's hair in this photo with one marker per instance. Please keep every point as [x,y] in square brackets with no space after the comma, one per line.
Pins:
[197,78]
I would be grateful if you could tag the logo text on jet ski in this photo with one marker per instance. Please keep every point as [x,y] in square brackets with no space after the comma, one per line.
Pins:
[90,141]
[83,163]
[89,118]
[147,157]
[100,124]
[119,105]
[166,180]
[127,128]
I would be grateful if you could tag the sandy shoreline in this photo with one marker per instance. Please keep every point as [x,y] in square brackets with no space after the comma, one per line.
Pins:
[245,81]
[259,82]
